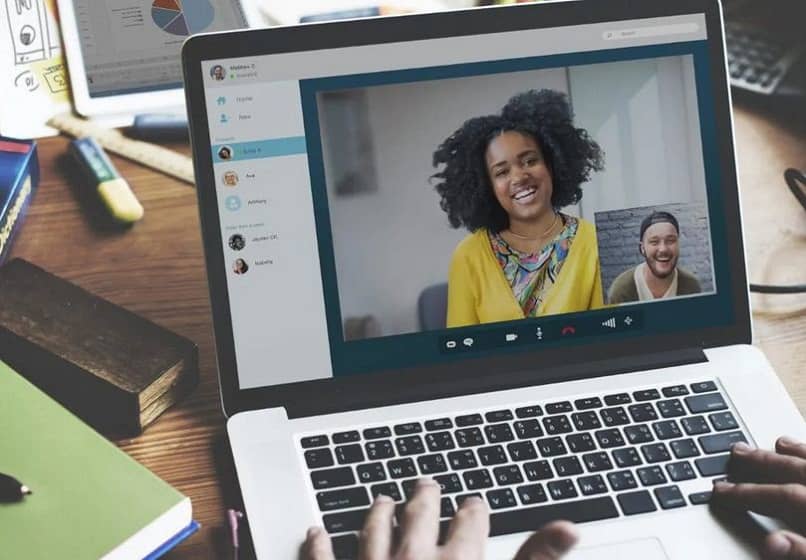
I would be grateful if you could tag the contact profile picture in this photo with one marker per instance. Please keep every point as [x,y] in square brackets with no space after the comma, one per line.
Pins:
[225,153]
[230,178]
[217,73]
[240,266]
[237,242]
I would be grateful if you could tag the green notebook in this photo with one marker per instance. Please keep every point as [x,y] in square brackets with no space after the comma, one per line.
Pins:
[90,500]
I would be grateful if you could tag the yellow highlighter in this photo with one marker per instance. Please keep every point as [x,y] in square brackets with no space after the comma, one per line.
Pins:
[113,189]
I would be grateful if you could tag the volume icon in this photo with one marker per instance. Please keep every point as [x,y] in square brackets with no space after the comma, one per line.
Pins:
[611,322]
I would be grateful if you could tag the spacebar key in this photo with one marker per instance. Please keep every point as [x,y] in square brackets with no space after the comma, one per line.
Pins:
[531,519]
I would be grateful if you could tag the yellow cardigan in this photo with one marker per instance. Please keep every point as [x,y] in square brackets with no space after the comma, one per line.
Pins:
[478,291]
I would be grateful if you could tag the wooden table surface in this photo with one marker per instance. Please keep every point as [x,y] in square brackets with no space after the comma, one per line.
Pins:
[157,269]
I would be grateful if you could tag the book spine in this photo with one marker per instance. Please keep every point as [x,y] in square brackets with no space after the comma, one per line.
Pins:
[12,220]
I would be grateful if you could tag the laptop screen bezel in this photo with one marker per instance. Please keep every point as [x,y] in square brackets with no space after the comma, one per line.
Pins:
[471,375]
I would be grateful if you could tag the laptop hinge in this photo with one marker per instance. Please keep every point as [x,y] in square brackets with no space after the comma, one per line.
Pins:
[400,393]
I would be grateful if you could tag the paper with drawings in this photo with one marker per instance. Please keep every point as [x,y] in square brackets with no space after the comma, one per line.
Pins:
[33,76]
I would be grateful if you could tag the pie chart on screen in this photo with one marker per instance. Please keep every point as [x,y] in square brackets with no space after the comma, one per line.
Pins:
[182,17]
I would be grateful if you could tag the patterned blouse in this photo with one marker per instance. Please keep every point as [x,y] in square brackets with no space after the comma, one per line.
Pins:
[532,275]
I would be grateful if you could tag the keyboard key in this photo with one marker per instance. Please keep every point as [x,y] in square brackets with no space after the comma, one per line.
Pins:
[655,452]
[317,458]
[526,519]
[449,483]
[703,387]
[347,454]
[500,499]
[590,485]
[377,433]
[409,445]
[639,434]
[614,416]
[562,489]
[643,412]
[680,471]
[587,420]
[408,428]
[498,416]
[528,429]
[460,460]
[618,398]
[722,421]
[344,521]
[314,441]
[684,448]
[510,474]
[675,391]
[477,479]
[462,497]
[579,443]
[345,546]
[621,480]
[532,494]
[718,443]
[627,457]
[342,499]
[586,404]
[699,498]
[386,489]
[646,395]
[432,464]
[609,438]
[695,425]
[522,451]
[596,462]
[636,502]
[559,407]
[671,408]
[379,450]
[493,455]
[528,411]
[371,472]
[469,420]
[651,476]
[446,509]
[346,437]
[551,447]
[498,433]
[567,466]
[401,468]
[439,441]
[669,497]
[332,478]
[709,402]
[557,425]
[667,429]
[438,424]
[538,470]
[469,437]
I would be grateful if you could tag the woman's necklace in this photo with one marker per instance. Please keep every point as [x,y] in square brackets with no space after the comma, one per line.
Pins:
[542,236]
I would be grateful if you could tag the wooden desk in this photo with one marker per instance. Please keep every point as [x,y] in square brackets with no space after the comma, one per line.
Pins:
[157,269]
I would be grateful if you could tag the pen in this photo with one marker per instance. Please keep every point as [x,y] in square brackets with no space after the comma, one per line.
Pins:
[11,489]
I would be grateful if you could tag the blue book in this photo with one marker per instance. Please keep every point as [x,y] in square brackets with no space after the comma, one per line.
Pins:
[173,541]
[19,177]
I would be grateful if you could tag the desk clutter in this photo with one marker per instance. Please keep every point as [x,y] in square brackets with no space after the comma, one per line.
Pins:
[19,177]
[111,367]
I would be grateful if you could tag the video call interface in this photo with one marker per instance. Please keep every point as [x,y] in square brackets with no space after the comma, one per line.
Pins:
[511,205]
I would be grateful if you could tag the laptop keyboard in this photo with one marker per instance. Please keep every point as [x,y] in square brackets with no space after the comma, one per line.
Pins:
[585,459]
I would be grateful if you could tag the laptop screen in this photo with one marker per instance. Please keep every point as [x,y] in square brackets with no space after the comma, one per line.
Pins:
[391,206]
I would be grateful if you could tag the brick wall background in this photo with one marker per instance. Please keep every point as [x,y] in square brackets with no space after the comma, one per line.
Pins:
[617,232]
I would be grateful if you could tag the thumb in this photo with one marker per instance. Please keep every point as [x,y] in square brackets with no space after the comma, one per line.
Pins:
[549,543]
[784,544]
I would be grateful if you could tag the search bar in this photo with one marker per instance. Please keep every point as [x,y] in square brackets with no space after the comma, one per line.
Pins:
[654,31]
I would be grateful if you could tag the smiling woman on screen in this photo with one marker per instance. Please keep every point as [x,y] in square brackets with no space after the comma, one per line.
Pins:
[505,178]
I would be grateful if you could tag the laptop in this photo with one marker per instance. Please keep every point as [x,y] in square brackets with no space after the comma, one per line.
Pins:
[348,365]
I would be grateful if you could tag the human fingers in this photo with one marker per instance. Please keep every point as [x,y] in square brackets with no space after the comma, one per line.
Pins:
[784,501]
[317,545]
[468,531]
[784,545]
[792,447]
[759,465]
[549,543]
[420,523]
[375,542]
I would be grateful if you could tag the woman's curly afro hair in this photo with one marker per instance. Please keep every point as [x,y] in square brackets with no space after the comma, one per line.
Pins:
[463,183]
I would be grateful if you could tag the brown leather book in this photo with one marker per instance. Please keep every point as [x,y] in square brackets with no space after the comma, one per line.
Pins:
[112,368]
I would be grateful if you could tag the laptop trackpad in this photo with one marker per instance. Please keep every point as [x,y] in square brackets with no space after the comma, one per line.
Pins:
[643,549]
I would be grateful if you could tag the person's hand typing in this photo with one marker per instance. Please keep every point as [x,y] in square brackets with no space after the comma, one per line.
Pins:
[772,484]
[419,531]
